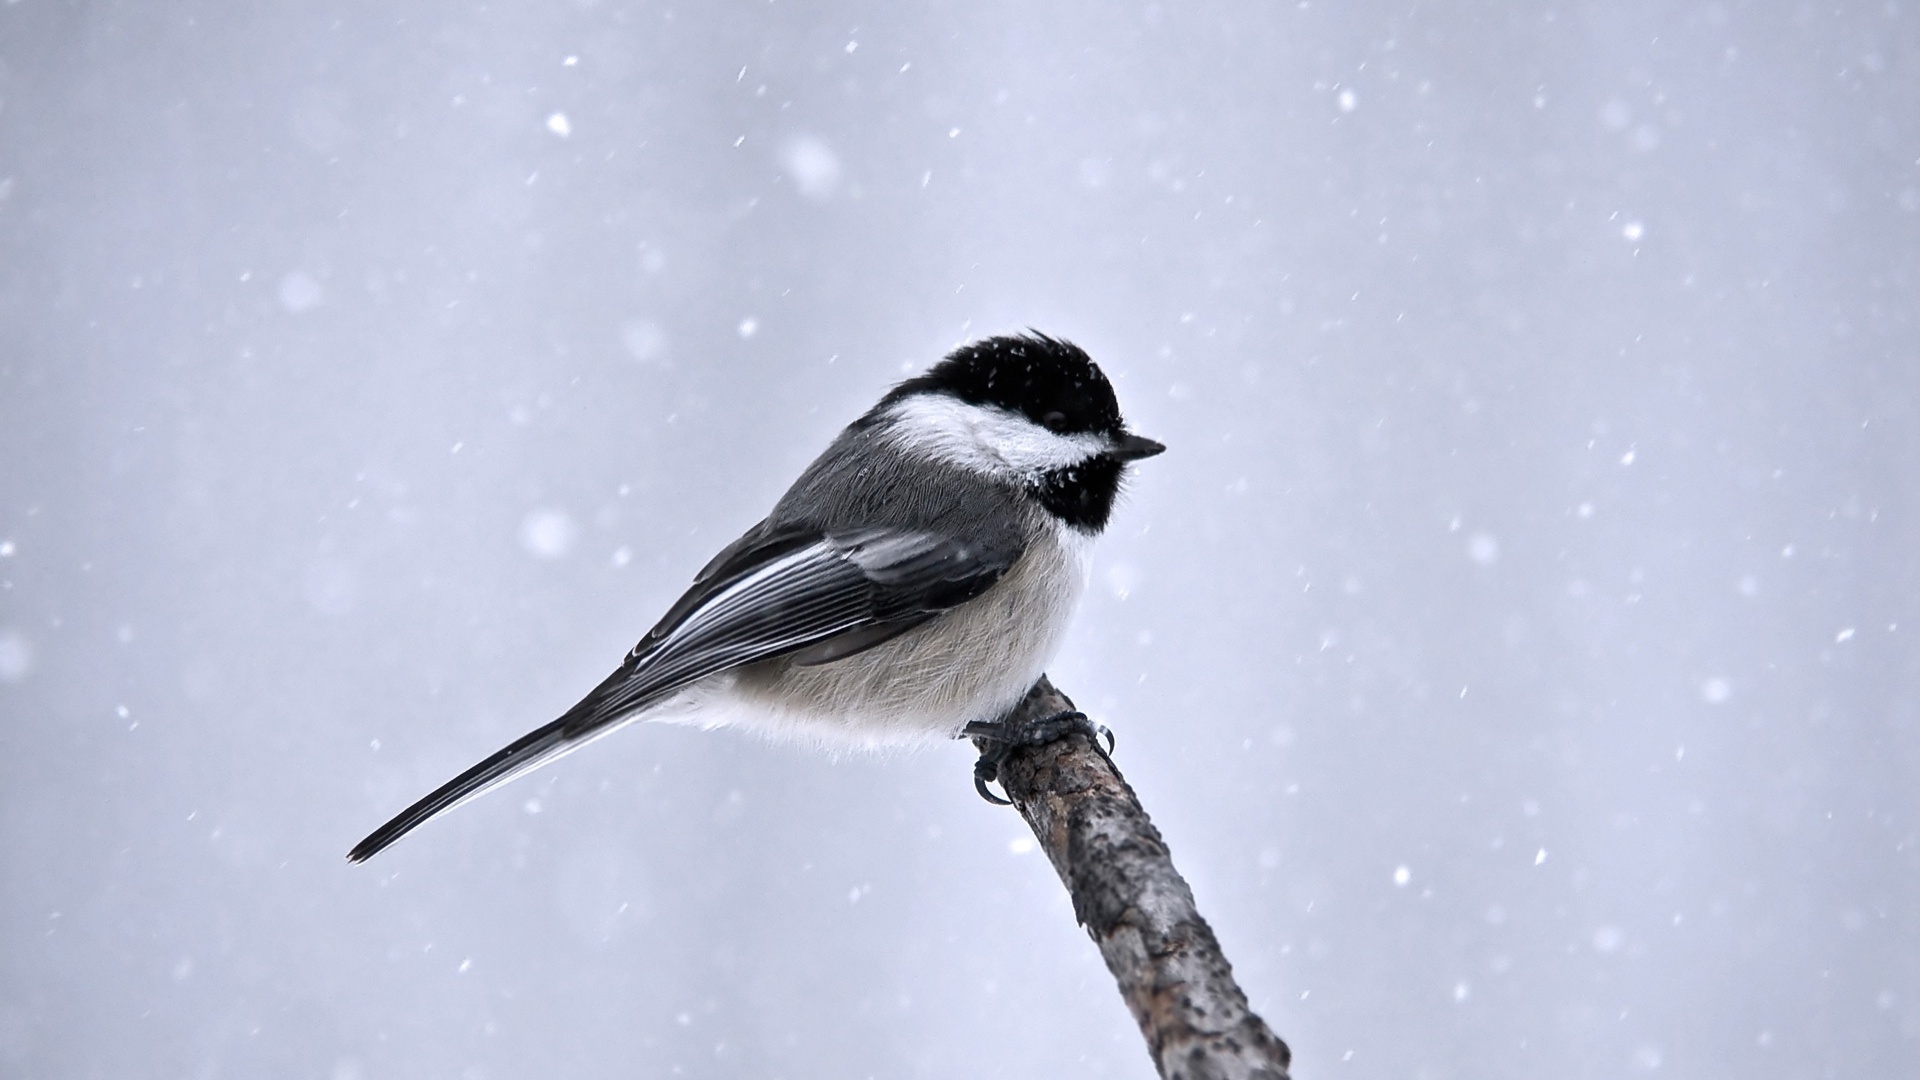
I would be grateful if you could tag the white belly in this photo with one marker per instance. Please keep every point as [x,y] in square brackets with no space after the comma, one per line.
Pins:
[972,663]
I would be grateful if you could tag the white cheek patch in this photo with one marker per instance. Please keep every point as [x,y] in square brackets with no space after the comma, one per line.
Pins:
[985,439]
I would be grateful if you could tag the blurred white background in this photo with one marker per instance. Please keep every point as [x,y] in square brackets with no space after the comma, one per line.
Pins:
[1513,644]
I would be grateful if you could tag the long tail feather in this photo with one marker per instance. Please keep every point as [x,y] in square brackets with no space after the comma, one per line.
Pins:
[581,725]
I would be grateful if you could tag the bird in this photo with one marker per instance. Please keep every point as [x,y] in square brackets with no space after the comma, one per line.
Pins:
[912,584]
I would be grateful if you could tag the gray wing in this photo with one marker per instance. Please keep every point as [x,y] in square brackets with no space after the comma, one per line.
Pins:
[812,596]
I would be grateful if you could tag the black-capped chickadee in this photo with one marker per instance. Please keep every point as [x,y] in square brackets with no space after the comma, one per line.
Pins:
[916,579]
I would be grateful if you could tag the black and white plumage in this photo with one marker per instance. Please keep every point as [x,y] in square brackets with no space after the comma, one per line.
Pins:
[917,577]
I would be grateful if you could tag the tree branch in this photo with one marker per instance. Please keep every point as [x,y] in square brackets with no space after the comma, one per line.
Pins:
[1135,905]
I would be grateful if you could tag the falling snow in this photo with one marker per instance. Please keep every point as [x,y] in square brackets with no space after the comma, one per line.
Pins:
[1511,642]
[548,533]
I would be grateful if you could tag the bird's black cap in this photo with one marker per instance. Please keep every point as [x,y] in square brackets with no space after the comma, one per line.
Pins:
[1052,382]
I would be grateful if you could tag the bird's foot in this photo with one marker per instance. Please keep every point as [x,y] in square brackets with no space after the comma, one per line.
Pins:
[1002,738]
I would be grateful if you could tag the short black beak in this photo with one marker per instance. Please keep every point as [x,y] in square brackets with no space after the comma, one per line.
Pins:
[1134,447]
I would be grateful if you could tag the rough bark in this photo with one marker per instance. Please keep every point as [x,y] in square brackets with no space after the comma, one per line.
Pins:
[1136,906]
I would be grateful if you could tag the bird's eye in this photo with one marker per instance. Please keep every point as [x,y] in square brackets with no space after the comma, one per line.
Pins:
[1055,421]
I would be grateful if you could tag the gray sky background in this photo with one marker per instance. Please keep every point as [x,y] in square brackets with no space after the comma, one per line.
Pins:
[1514,645]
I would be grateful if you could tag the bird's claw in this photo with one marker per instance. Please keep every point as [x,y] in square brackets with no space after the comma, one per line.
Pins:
[984,773]
[1003,739]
